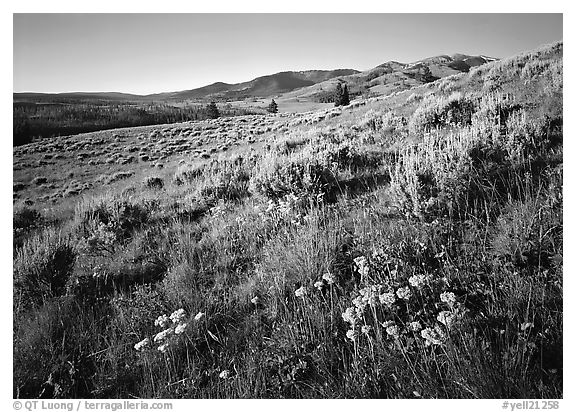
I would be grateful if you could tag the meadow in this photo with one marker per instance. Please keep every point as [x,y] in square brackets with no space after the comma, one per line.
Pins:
[404,246]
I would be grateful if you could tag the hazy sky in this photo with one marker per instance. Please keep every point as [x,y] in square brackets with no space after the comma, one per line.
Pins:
[148,53]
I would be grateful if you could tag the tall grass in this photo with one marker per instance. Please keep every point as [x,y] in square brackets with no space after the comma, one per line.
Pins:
[412,251]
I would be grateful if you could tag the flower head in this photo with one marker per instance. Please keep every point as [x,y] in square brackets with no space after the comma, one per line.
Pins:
[448,297]
[349,316]
[393,331]
[162,321]
[329,278]
[255,300]
[433,336]
[178,316]
[199,316]
[415,326]
[163,348]
[300,292]
[404,293]
[387,298]
[180,328]
[361,265]
[319,285]
[163,335]
[446,318]
[417,281]
[366,329]
[142,344]
[351,334]
[225,374]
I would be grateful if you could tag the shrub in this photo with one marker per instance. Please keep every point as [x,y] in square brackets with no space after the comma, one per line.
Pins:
[42,266]
[435,112]
[154,182]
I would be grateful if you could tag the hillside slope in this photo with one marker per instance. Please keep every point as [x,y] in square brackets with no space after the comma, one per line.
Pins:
[404,246]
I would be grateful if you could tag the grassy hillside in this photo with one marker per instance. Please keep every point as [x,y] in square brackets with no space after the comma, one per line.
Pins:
[407,246]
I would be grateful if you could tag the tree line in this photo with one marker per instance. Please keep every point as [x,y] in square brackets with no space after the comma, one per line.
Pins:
[32,121]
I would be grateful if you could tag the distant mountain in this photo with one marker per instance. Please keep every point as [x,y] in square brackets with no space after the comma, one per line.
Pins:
[391,77]
[311,84]
[264,86]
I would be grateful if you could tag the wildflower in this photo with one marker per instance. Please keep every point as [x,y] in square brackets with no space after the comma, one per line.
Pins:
[178,316]
[300,292]
[415,326]
[180,328]
[329,278]
[225,374]
[162,321]
[360,305]
[526,325]
[351,334]
[319,285]
[448,297]
[387,323]
[393,331]
[433,336]
[387,298]
[163,335]
[366,329]
[404,293]
[255,300]
[142,344]
[199,316]
[349,316]
[417,281]
[163,348]
[361,265]
[445,317]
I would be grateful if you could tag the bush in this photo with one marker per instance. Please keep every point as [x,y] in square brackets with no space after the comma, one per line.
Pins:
[42,267]
[435,112]
[154,182]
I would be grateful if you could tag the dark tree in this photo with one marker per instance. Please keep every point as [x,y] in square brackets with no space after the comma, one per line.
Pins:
[425,75]
[273,107]
[212,111]
[345,101]
[338,95]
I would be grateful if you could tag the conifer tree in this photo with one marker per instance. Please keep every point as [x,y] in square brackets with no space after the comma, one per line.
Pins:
[338,95]
[345,101]
[273,107]
[212,111]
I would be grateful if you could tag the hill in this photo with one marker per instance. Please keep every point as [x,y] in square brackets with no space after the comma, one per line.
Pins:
[404,246]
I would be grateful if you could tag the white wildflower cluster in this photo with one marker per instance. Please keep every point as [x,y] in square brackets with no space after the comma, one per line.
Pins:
[162,321]
[172,325]
[446,318]
[404,293]
[449,298]
[387,298]
[328,278]
[417,281]
[143,344]
[415,326]
[435,336]
[225,374]
[362,266]
[301,292]
[178,316]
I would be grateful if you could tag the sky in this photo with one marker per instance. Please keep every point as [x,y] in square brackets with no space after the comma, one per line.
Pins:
[152,53]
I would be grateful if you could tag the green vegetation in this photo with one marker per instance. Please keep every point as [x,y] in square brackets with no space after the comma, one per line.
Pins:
[41,120]
[273,107]
[212,111]
[402,247]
